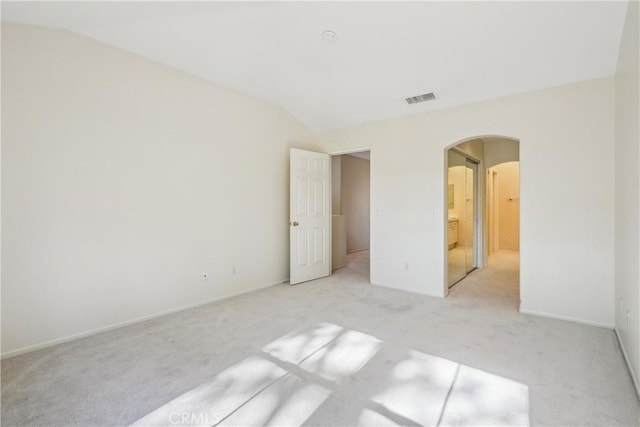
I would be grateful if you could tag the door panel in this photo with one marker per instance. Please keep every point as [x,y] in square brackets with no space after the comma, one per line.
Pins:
[462,211]
[310,219]
[456,180]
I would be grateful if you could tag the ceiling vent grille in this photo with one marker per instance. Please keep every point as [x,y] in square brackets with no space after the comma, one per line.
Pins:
[421,98]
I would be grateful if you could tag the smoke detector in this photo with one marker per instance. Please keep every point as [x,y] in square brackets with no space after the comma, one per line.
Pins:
[421,98]
[329,36]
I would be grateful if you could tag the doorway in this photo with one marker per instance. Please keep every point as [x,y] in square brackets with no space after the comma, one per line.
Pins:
[350,196]
[462,218]
[503,205]
[329,214]
[482,198]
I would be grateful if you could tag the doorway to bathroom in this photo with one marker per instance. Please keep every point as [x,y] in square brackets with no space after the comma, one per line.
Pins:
[483,222]
[351,212]
[503,207]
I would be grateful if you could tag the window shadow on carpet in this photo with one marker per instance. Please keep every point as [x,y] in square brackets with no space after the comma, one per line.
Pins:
[311,376]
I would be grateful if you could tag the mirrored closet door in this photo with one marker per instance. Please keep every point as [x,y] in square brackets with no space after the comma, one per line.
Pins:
[462,215]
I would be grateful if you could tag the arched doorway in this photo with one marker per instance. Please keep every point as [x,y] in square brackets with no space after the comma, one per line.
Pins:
[482,199]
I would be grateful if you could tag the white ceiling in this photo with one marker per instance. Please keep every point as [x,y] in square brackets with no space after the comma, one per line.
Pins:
[386,51]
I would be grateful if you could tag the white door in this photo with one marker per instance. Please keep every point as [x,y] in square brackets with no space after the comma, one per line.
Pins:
[310,216]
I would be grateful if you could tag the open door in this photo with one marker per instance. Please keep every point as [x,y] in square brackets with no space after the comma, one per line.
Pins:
[309,216]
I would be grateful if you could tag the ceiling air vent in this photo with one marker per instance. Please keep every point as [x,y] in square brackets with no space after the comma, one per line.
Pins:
[421,98]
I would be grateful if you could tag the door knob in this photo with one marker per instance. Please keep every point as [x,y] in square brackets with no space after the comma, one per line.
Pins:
[295,223]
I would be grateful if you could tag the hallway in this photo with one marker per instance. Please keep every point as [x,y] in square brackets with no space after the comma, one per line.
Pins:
[496,285]
[359,262]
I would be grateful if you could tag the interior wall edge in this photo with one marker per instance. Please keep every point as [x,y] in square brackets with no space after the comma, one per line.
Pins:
[634,379]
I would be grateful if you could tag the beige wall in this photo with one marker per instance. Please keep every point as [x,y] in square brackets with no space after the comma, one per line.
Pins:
[123,181]
[627,193]
[355,201]
[115,200]
[508,211]
[408,171]
[336,185]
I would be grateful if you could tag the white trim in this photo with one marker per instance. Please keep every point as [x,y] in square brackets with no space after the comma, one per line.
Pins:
[349,151]
[566,318]
[74,337]
[626,359]
[424,294]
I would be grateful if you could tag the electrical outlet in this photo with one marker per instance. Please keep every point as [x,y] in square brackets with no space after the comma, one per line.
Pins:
[205,276]
[233,270]
[406,266]
[621,305]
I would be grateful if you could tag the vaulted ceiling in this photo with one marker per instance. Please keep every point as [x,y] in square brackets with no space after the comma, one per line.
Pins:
[384,51]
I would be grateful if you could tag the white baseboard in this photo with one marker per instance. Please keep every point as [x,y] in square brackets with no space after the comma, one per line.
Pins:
[634,378]
[424,294]
[73,337]
[357,250]
[566,318]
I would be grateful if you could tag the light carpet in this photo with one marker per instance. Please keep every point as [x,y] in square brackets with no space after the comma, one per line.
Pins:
[335,351]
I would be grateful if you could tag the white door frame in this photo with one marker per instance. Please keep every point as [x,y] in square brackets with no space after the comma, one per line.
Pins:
[492,210]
